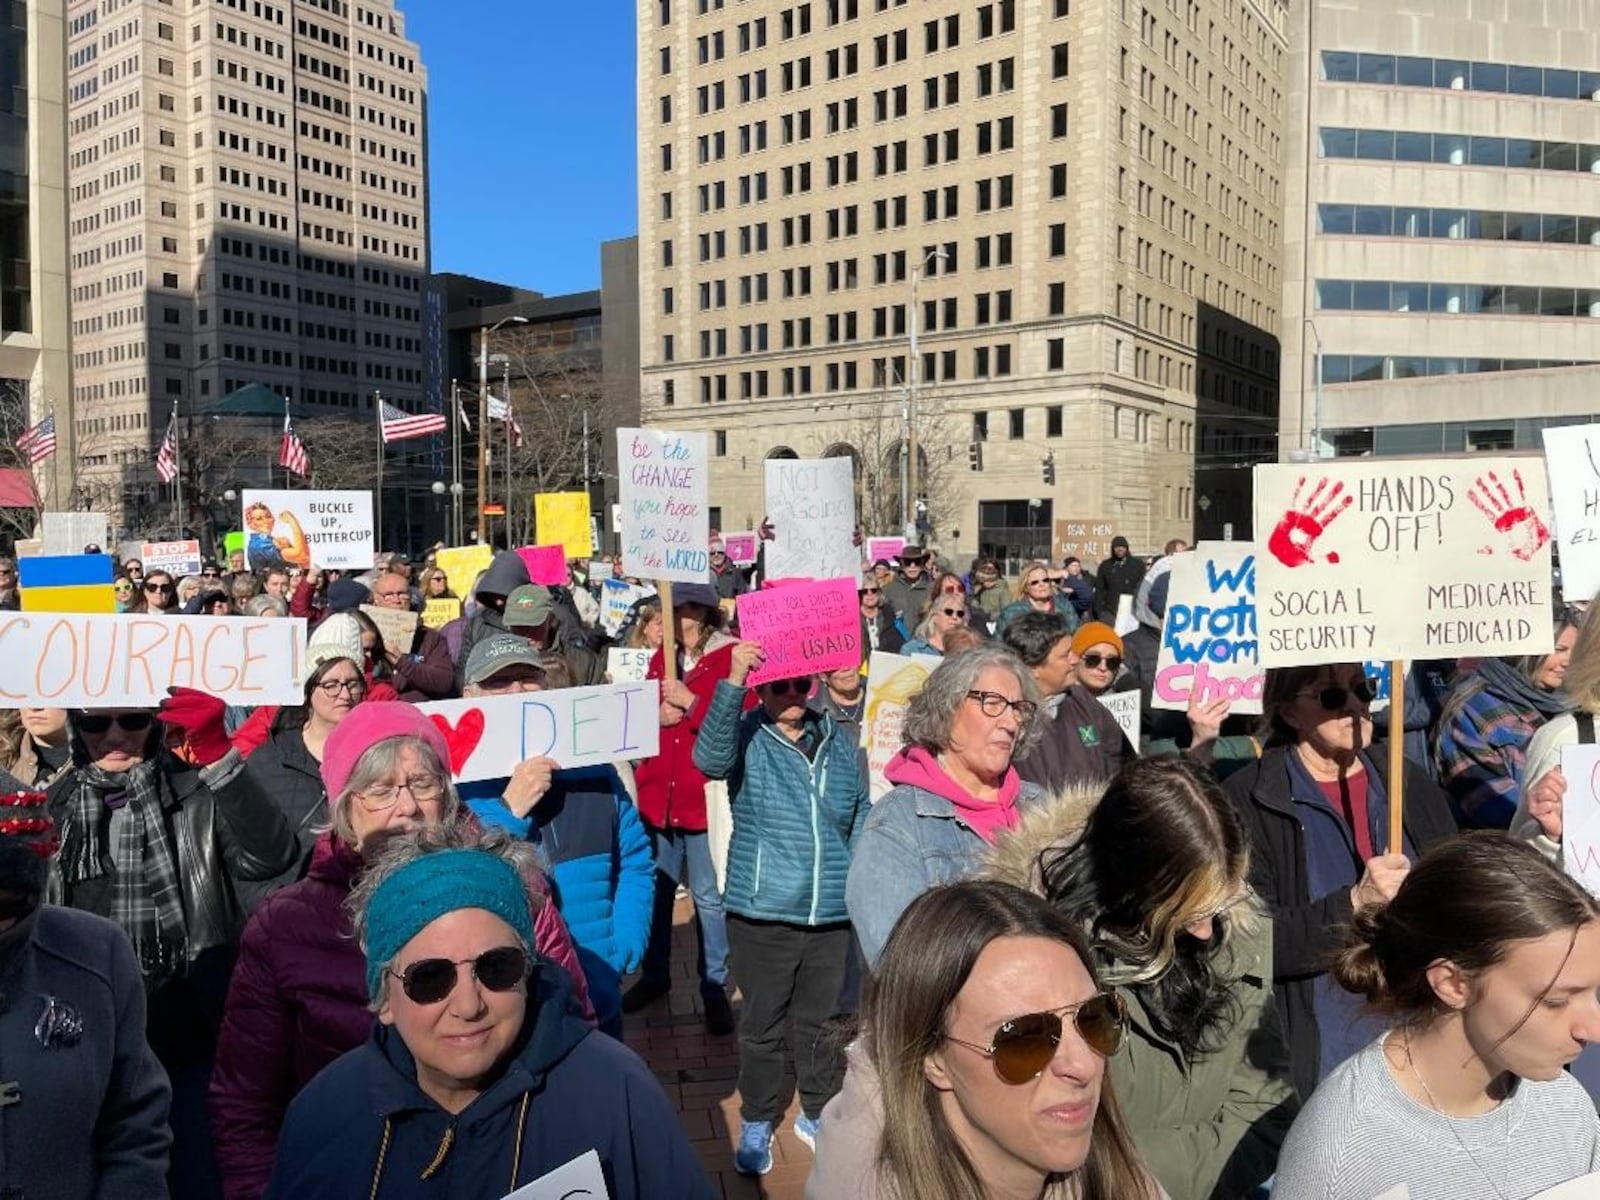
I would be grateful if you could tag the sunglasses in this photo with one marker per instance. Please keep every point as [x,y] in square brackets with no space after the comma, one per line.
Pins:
[208,574]
[431,980]
[873,590]
[129,722]
[782,687]
[158,587]
[954,612]
[1335,696]
[1109,661]
[1024,1046]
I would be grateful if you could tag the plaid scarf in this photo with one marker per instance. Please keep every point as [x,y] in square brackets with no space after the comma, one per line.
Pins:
[145,897]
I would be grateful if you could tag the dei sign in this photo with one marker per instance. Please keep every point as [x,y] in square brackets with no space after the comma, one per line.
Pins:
[1402,558]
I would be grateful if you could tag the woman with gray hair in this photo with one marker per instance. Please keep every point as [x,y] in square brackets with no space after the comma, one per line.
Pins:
[266,605]
[955,787]
[298,998]
[480,1080]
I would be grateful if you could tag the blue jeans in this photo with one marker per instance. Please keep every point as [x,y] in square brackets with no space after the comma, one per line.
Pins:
[683,857]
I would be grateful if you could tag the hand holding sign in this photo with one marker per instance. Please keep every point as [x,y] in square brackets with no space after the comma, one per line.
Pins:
[747,656]
[1294,539]
[1525,534]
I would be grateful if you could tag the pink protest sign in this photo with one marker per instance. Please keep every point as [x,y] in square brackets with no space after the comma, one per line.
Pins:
[884,547]
[805,628]
[546,564]
[741,548]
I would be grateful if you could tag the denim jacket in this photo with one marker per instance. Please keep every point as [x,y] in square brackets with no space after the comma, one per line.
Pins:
[913,840]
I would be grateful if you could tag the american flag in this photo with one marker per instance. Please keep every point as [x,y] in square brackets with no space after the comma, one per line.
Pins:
[499,410]
[167,455]
[399,426]
[39,443]
[292,454]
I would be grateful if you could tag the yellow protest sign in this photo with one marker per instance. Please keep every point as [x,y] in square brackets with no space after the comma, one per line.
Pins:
[563,518]
[436,614]
[463,564]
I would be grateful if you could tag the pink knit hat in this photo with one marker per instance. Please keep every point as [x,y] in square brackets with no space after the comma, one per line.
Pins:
[366,725]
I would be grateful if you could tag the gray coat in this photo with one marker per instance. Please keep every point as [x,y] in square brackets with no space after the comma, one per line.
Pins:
[91,1123]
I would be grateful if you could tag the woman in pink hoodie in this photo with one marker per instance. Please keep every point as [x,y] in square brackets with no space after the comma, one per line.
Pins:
[955,787]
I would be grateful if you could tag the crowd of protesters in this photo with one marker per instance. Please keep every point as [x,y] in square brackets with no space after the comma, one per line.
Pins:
[287,953]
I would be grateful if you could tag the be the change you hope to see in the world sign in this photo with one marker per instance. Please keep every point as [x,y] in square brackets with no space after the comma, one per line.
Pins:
[1402,558]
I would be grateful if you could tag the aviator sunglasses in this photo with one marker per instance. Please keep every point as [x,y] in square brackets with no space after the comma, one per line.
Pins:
[1335,696]
[1023,1046]
[430,980]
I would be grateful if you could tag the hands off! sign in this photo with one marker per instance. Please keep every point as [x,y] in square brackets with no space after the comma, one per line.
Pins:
[1402,558]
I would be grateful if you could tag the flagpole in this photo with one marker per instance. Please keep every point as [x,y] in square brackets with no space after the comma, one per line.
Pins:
[377,408]
[507,388]
[177,480]
[455,463]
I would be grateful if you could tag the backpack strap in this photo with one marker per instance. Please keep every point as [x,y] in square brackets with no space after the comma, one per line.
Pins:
[1585,727]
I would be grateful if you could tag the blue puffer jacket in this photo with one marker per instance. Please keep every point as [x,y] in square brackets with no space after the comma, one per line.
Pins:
[602,867]
[794,818]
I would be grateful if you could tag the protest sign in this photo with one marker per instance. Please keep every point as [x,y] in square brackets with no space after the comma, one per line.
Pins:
[892,680]
[70,532]
[462,565]
[1085,538]
[439,612]
[805,628]
[490,735]
[627,665]
[66,583]
[546,564]
[1208,639]
[28,547]
[398,626]
[1572,454]
[1124,706]
[664,483]
[175,558]
[741,548]
[562,519]
[583,1176]
[617,598]
[880,549]
[332,530]
[1402,558]
[232,542]
[1580,814]
[129,660]
[811,503]
[599,571]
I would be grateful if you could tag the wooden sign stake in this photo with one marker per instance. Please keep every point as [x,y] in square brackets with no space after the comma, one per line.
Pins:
[1397,755]
[669,635]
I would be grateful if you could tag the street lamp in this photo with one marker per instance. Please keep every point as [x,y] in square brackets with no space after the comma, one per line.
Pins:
[1314,450]
[914,376]
[483,415]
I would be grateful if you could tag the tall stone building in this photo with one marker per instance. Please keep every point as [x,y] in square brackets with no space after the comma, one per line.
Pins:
[1073,205]
[1443,235]
[248,205]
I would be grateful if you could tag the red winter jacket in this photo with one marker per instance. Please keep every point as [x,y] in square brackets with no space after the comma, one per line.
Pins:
[298,1000]
[672,791]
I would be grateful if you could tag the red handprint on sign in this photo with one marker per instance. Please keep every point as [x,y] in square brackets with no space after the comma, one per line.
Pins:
[1513,516]
[1294,539]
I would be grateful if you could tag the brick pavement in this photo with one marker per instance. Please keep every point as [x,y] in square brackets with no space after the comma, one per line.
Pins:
[699,1073]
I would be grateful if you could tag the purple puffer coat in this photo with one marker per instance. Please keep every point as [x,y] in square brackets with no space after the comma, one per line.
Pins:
[298,1000]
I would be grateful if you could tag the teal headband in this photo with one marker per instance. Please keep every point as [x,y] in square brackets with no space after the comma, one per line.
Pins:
[427,888]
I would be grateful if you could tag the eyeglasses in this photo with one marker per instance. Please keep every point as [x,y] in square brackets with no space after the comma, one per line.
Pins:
[782,687]
[424,789]
[136,722]
[332,687]
[1095,661]
[393,595]
[994,704]
[158,587]
[1023,1046]
[431,980]
[954,612]
[1335,696]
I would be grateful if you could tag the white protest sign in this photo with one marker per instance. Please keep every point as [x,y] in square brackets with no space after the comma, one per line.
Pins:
[617,600]
[580,1179]
[1580,814]
[892,680]
[1402,558]
[1586,1187]
[1124,706]
[398,626]
[175,558]
[811,503]
[490,735]
[1208,638]
[666,522]
[309,529]
[1572,454]
[129,660]
[70,532]
[626,664]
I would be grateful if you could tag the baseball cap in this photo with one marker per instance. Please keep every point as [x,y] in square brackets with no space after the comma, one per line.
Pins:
[527,606]
[494,654]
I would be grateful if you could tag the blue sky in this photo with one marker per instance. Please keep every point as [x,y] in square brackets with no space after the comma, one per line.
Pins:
[530,107]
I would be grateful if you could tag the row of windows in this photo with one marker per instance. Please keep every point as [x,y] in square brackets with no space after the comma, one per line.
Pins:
[1459,150]
[1383,220]
[1456,299]
[1363,368]
[1459,75]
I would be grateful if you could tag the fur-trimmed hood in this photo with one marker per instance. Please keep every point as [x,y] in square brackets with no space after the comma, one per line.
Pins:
[1055,823]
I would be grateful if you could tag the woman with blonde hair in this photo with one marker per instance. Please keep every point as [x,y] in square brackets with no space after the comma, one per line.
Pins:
[1538,815]
[1034,591]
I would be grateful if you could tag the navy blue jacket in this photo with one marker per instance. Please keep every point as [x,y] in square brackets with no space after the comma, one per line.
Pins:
[586,1092]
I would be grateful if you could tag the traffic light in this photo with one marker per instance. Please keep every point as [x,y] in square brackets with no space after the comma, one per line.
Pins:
[975,456]
[1050,468]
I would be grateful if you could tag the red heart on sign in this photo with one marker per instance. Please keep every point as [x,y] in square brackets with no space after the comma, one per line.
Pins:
[463,739]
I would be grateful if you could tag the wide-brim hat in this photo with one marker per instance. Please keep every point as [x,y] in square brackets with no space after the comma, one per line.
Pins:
[912,554]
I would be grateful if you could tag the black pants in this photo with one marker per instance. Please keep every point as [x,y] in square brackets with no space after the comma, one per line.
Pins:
[787,971]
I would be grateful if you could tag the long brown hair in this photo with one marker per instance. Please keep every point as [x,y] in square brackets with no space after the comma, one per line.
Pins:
[925,964]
